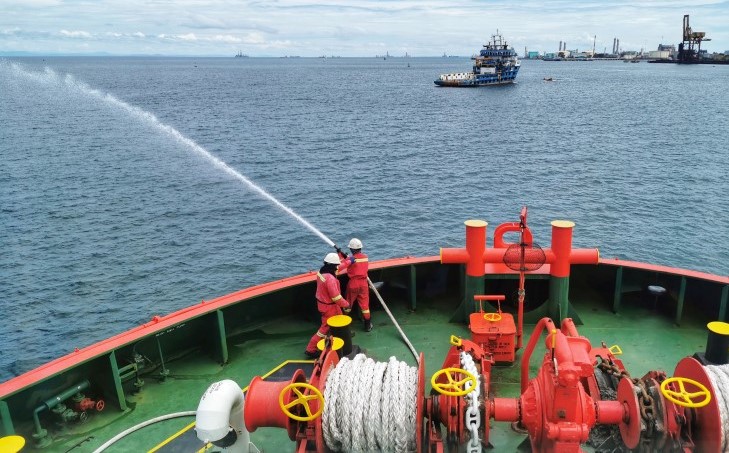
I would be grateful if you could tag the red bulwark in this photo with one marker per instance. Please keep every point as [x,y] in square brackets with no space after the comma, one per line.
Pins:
[497,337]
[161,323]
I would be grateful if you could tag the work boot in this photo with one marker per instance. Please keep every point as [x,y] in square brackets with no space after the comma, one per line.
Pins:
[368,325]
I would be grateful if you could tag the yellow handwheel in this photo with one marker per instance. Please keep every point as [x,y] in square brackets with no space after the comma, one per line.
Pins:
[493,317]
[11,444]
[302,399]
[454,387]
[682,397]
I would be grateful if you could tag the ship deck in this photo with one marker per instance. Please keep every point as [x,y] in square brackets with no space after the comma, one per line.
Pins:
[644,329]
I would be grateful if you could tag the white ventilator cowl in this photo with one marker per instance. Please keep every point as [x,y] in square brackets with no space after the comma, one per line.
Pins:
[355,243]
[331,258]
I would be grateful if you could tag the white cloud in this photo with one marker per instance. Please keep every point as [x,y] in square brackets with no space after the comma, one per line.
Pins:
[76,34]
[360,28]
[226,38]
[187,37]
[254,38]
[135,35]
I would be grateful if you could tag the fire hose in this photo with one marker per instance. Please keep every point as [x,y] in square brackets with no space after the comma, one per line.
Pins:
[394,321]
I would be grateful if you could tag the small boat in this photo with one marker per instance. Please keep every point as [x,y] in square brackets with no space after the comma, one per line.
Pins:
[496,64]
[549,79]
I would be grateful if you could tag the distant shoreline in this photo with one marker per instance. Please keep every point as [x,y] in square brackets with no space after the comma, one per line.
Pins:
[232,57]
[226,57]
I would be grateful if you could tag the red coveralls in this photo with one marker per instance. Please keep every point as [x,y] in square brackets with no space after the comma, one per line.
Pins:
[328,300]
[357,289]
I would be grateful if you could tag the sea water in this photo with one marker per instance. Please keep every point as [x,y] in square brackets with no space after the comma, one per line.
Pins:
[108,218]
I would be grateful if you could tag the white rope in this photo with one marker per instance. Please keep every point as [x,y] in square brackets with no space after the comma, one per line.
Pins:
[410,407]
[372,423]
[719,377]
[359,442]
[370,406]
[331,408]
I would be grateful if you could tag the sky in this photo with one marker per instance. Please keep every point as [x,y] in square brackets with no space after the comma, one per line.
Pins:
[311,28]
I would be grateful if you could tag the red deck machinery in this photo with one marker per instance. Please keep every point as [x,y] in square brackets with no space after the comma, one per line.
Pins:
[495,332]
[558,408]
[576,389]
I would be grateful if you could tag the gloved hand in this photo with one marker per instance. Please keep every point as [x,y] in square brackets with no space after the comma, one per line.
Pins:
[341,253]
[352,259]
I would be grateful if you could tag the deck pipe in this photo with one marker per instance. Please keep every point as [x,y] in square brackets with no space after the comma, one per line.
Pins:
[510,227]
[40,433]
[560,257]
[219,417]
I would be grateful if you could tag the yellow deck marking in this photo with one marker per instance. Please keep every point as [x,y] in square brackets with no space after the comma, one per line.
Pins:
[173,437]
[191,425]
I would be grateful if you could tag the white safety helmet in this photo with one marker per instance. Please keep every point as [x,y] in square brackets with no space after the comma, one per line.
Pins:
[355,244]
[331,258]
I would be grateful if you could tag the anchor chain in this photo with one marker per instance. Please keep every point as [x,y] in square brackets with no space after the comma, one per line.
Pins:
[645,402]
[612,369]
[473,416]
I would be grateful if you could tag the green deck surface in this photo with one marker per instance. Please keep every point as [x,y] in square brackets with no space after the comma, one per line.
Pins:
[648,337]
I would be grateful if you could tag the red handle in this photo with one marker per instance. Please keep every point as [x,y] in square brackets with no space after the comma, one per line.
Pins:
[489,297]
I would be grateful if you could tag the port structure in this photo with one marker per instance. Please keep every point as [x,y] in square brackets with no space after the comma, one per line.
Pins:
[689,49]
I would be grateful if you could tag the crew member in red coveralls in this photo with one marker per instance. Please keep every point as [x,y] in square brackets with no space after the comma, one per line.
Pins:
[329,300]
[358,290]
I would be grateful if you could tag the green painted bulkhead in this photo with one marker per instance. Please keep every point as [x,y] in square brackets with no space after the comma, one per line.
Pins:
[250,335]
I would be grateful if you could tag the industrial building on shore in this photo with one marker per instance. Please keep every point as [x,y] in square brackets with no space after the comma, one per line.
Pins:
[688,51]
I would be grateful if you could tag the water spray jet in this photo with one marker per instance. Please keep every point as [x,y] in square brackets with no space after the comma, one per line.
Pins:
[50,77]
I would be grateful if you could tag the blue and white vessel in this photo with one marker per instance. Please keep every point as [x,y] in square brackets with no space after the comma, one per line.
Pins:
[496,64]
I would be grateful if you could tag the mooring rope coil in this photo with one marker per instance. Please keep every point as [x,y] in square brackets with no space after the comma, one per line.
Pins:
[371,406]
[719,377]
